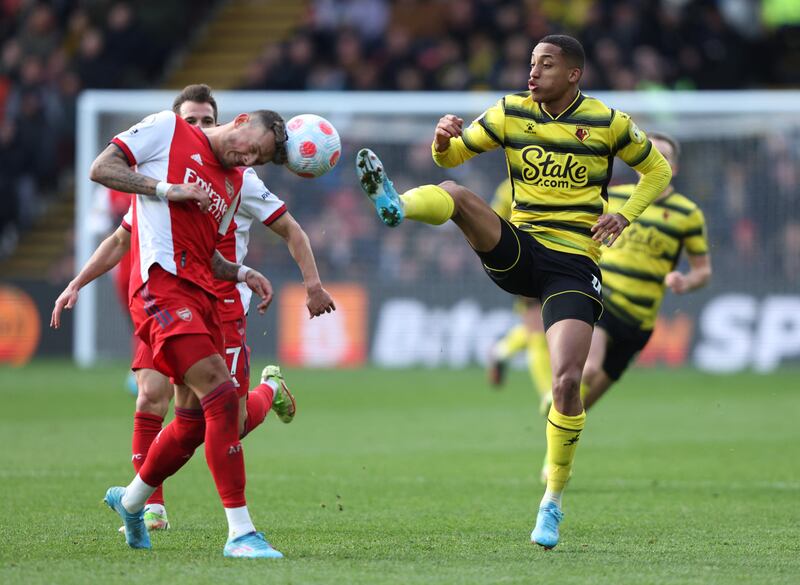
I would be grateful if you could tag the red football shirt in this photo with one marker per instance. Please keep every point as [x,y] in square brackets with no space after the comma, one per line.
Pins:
[177,235]
[258,204]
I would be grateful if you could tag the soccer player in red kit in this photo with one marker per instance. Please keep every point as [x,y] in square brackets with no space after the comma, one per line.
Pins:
[196,105]
[187,187]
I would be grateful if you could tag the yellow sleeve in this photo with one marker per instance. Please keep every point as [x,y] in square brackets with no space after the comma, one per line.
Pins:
[695,239]
[656,175]
[502,200]
[485,133]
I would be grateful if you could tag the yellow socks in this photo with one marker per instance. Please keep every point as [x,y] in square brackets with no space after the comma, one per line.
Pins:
[563,433]
[515,340]
[584,391]
[539,363]
[428,204]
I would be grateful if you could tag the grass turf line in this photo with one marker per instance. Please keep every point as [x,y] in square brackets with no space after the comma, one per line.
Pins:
[421,476]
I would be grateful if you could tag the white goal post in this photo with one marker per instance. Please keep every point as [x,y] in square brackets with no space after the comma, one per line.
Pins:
[401,118]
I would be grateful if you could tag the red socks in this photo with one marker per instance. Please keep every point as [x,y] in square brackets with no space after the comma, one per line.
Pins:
[173,447]
[223,449]
[259,401]
[146,427]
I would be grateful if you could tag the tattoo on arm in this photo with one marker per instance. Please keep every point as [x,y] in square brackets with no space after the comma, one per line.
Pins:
[222,269]
[111,169]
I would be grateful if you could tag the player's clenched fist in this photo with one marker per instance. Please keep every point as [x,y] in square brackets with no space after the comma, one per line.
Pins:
[319,302]
[449,126]
[259,284]
[190,192]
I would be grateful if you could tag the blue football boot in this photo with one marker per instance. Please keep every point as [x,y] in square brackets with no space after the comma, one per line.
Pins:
[250,546]
[379,188]
[136,534]
[545,533]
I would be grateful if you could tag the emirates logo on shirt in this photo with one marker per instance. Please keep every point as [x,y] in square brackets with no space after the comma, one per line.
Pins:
[218,207]
[184,314]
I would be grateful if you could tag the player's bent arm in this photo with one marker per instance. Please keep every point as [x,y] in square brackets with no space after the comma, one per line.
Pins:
[318,300]
[222,269]
[105,257]
[699,275]
[656,176]
[452,146]
[111,169]
[299,247]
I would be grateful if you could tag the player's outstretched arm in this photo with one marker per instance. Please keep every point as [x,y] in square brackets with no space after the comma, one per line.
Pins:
[699,275]
[222,269]
[105,257]
[318,300]
[111,169]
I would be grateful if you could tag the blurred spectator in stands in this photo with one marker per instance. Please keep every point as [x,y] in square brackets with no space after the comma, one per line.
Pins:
[789,253]
[94,67]
[39,36]
[10,165]
[123,33]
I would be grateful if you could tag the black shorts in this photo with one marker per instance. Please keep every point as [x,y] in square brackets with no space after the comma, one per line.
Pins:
[625,340]
[568,285]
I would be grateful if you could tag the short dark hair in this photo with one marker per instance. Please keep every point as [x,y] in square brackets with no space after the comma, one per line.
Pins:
[676,146]
[197,92]
[275,122]
[570,47]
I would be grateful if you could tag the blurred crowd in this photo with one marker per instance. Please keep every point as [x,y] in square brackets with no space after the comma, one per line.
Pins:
[49,52]
[486,44]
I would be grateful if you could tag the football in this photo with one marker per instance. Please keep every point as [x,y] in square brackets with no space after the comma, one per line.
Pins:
[313,146]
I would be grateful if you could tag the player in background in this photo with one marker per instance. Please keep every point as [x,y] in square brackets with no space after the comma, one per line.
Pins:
[187,185]
[638,270]
[196,105]
[527,335]
[559,145]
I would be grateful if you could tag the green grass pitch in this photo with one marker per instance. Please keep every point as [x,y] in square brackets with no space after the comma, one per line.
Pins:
[419,477]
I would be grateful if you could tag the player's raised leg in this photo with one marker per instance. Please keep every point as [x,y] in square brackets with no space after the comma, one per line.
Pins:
[432,204]
[271,393]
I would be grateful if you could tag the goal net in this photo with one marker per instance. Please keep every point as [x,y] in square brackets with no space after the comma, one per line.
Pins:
[417,296]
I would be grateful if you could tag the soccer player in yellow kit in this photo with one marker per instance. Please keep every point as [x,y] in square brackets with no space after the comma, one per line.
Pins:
[637,271]
[527,335]
[559,146]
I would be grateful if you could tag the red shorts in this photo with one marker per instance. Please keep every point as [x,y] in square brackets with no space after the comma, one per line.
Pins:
[177,320]
[142,356]
[237,354]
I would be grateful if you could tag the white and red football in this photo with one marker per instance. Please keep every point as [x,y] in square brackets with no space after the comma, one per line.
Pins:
[313,145]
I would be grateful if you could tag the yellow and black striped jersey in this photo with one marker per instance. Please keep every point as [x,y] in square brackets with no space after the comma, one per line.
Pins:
[635,266]
[560,166]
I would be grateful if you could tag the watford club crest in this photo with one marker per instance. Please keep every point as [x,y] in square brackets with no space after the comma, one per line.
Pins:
[582,133]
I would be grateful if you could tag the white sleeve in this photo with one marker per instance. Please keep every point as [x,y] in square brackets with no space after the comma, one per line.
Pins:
[225,222]
[148,140]
[127,219]
[259,201]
